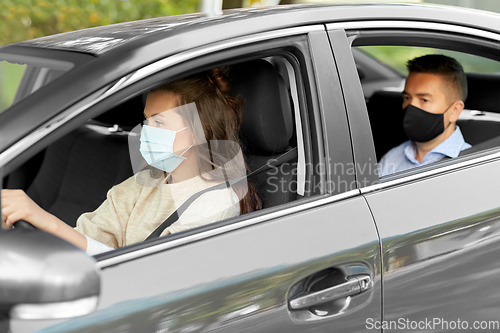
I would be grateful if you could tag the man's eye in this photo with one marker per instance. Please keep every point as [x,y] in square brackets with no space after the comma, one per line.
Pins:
[424,100]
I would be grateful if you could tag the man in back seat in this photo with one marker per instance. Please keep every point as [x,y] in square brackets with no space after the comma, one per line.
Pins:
[433,97]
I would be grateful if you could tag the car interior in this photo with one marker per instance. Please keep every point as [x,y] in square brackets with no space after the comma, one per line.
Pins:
[72,175]
[476,122]
[479,121]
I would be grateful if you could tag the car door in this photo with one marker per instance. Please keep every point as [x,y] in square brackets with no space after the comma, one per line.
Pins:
[309,265]
[439,224]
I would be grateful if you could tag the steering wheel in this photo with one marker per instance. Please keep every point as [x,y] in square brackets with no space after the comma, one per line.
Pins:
[21,224]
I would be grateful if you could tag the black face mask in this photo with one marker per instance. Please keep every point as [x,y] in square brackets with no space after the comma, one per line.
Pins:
[423,126]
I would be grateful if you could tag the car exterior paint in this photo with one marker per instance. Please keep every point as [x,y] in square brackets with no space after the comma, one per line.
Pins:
[425,238]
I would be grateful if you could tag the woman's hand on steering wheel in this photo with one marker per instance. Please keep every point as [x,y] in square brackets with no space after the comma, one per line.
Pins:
[18,206]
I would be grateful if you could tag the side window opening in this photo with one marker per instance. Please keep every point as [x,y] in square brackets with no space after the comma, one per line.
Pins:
[479,121]
[73,174]
[287,71]
[24,75]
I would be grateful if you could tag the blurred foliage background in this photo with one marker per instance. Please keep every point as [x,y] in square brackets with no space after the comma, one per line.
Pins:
[397,56]
[27,19]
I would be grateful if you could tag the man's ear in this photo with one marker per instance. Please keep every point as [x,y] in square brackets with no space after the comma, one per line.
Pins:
[457,108]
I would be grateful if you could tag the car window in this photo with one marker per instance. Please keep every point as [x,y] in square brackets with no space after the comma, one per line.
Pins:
[120,162]
[36,72]
[478,122]
[396,57]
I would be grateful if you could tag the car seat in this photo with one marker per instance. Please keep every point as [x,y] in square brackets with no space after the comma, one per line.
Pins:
[386,121]
[266,128]
[73,175]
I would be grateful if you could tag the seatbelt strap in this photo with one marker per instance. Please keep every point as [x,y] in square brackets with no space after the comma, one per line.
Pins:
[289,155]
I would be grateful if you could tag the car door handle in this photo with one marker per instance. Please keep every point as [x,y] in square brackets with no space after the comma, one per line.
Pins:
[354,285]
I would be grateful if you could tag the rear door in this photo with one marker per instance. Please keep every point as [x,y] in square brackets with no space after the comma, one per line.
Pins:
[261,272]
[439,224]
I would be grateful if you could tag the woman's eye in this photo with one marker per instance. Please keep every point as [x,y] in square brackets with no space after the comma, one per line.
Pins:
[158,123]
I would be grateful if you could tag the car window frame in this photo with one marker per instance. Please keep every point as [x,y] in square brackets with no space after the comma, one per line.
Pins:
[444,36]
[113,94]
[273,47]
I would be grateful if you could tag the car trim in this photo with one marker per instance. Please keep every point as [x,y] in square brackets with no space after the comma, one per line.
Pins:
[56,310]
[414,25]
[203,50]
[223,229]
[430,173]
[19,147]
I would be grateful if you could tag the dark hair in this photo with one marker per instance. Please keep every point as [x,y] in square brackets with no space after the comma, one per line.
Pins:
[220,115]
[449,68]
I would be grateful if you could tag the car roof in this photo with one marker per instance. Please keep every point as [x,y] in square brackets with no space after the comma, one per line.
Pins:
[100,40]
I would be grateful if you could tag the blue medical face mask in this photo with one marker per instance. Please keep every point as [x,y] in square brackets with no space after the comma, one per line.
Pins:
[157,148]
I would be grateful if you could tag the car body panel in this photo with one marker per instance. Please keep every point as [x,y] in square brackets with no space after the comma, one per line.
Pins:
[225,281]
[138,52]
[244,21]
[439,230]
[241,274]
[362,143]
[439,245]
[334,124]
[143,293]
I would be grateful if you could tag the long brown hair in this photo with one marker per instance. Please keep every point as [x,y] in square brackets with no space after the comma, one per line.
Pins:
[220,115]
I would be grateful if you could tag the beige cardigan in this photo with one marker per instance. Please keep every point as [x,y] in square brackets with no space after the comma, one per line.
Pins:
[134,208]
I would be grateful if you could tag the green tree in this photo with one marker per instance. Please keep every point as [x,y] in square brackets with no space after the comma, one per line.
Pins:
[28,19]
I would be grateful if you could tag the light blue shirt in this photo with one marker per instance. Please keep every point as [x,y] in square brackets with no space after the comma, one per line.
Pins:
[402,157]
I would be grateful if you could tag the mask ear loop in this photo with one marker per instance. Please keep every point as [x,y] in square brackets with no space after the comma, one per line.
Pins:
[185,150]
[169,176]
[182,129]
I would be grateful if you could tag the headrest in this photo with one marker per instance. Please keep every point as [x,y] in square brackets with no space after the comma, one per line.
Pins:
[266,110]
[381,98]
[484,92]
[385,110]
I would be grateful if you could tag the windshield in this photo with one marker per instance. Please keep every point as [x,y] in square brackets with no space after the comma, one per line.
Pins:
[20,76]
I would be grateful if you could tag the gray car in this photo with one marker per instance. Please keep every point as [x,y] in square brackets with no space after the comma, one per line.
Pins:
[336,248]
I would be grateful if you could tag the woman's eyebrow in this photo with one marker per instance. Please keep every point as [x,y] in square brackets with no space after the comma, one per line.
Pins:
[154,114]
[159,114]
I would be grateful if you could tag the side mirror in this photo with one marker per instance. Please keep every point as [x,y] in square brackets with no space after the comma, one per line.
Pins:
[44,277]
